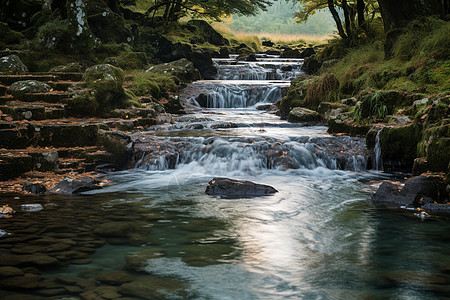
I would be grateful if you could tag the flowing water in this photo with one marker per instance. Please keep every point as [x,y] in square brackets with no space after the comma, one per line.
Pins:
[319,237]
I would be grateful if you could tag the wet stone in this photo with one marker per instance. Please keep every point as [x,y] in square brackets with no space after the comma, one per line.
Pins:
[84,261]
[152,288]
[138,260]
[114,277]
[10,272]
[73,289]
[27,281]
[51,292]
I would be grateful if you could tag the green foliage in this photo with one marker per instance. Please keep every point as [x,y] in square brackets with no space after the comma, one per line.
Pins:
[323,88]
[144,86]
[53,35]
[376,106]
[153,84]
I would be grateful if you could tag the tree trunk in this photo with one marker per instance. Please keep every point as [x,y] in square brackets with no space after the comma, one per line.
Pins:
[348,23]
[397,14]
[336,18]
[360,7]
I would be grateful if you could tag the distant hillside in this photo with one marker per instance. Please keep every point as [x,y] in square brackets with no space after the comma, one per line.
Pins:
[279,19]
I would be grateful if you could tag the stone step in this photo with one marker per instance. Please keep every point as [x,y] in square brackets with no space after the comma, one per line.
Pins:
[61,85]
[10,79]
[51,97]
[68,76]
[49,134]
[34,111]
[14,163]
[3,89]
[5,98]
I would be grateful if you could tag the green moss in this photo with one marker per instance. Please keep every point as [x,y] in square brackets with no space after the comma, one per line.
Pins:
[399,147]
[129,60]
[435,147]
[84,105]
[295,95]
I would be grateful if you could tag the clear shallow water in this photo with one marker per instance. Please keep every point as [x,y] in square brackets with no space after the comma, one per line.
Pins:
[319,237]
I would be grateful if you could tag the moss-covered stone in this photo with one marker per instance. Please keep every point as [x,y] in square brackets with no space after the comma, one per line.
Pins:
[399,147]
[106,82]
[129,60]
[183,69]
[301,114]
[295,95]
[435,147]
[19,88]
[110,27]
[9,36]
[12,65]
[202,29]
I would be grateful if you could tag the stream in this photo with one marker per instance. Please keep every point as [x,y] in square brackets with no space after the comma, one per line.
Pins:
[319,237]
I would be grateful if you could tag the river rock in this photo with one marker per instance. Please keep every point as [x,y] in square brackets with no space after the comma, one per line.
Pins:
[114,277]
[10,272]
[152,288]
[183,69]
[426,192]
[267,43]
[232,188]
[301,114]
[27,281]
[29,86]
[70,67]
[71,186]
[311,65]
[34,188]
[31,207]
[12,64]
[289,53]
[307,52]
[138,260]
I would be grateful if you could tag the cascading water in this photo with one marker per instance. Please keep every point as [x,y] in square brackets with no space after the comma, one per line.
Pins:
[317,238]
[377,149]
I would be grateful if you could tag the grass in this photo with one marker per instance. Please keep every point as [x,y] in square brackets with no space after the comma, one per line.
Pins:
[284,39]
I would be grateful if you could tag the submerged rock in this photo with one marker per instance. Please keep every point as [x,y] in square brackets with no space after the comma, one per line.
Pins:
[427,192]
[72,186]
[232,188]
[31,207]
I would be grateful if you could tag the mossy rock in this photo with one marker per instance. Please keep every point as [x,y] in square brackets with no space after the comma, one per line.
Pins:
[129,60]
[83,105]
[70,67]
[435,147]
[301,114]
[183,69]
[399,147]
[12,65]
[295,95]
[28,86]
[109,27]
[106,81]
[203,29]
[9,36]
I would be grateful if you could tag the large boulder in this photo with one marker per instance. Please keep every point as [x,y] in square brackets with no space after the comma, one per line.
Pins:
[301,114]
[183,69]
[109,27]
[203,29]
[232,188]
[423,192]
[12,65]
[28,86]
[9,36]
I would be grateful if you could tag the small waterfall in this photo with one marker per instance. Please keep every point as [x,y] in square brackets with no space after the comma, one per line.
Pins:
[238,155]
[239,96]
[378,162]
[244,72]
